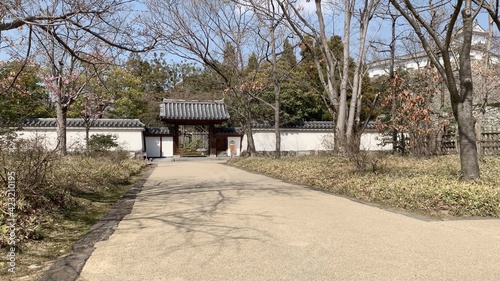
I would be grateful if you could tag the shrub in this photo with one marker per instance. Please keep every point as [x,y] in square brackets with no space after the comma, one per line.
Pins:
[46,182]
[34,193]
[102,142]
[94,174]
[361,159]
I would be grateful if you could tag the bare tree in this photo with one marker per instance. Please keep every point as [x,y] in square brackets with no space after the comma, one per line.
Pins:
[273,24]
[437,44]
[364,17]
[202,31]
[340,134]
[268,13]
[328,65]
[111,23]
[70,32]
[492,8]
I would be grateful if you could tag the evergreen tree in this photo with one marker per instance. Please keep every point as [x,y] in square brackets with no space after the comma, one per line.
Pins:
[22,96]
[288,54]
[253,63]
[230,62]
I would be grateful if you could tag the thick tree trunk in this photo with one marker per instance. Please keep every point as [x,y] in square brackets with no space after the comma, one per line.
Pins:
[277,131]
[462,103]
[250,140]
[61,109]
[461,100]
[359,107]
[341,115]
[467,141]
[249,130]
[353,103]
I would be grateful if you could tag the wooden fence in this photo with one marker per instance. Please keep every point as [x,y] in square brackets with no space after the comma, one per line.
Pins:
[489,143]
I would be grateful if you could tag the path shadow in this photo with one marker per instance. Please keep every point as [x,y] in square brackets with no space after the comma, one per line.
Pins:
[204,213]
[186,208]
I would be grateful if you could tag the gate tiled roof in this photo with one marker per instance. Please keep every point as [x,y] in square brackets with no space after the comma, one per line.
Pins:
[184,110]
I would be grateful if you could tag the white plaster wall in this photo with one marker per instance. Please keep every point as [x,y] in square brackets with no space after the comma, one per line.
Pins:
[295,140]
[48,137]
[372,141]
[167,146]
[159,146]
[128,139]
[152,146]
[306,140]
[411,65]
[264,141]
[291,140]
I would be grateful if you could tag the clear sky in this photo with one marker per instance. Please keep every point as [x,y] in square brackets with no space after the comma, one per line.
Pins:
[379,31]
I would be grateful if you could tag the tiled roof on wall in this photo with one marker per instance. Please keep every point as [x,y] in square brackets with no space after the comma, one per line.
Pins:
[158,131]
[78,122]
[229,131]
[297,125]
[193,110]
[305,125]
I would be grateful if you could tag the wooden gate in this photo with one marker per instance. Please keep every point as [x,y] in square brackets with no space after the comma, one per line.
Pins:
[193,140]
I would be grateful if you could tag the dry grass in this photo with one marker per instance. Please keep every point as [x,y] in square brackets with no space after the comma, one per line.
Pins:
[91,186]
[429,186]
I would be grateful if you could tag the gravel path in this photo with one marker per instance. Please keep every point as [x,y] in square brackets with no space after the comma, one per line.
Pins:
[207,221]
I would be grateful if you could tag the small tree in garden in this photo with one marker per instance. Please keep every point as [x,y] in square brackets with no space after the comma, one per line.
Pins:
[92,107]
[64,90]
[412,118]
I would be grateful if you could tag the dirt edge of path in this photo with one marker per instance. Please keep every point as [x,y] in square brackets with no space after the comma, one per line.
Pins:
[68,267]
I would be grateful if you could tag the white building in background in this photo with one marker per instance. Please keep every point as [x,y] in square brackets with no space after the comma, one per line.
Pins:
[420,60]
